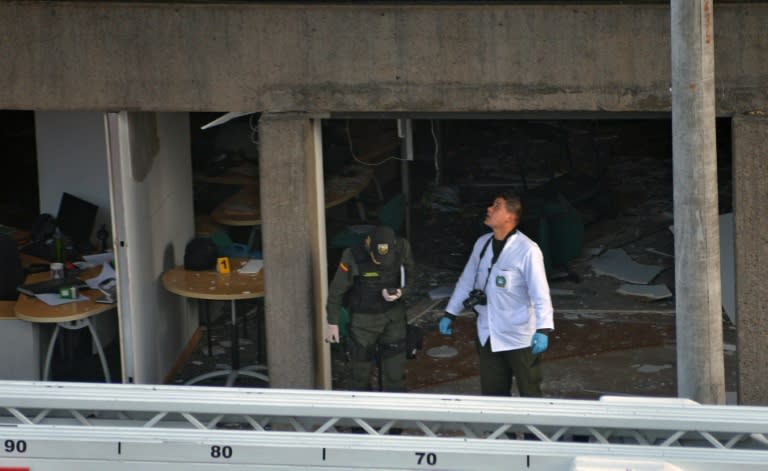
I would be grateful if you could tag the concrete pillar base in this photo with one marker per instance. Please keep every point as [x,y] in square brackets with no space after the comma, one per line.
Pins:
[750,200]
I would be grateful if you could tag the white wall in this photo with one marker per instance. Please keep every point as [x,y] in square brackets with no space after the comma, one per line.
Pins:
[72,157]
[154,220]
[157,221]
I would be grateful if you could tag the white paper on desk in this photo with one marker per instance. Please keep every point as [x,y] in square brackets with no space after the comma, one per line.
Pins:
[53,299]
[99,258]
[106,272]
[253,266]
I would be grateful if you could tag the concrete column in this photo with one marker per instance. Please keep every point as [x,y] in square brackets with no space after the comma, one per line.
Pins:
[700,366]
[288,208]
[750,198]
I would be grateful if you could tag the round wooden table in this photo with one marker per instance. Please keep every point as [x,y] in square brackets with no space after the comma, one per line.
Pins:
[244,208]
[70,316]
[213,286]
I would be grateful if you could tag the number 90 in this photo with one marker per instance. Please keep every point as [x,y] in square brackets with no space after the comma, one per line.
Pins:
[12,446]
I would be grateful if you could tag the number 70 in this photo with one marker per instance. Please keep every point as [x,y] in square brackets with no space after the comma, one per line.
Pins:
[428,458]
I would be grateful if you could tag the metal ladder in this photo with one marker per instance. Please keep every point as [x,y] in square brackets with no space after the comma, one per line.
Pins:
[77,426]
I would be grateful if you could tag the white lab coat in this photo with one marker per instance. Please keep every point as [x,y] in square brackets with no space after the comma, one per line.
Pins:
[517,292]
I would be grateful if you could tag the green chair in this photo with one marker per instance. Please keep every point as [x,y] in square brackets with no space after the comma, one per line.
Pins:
[391,213]
[228,248]
[557,227]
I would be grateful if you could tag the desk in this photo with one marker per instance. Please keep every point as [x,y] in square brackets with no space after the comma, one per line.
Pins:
[210,285]
[20,236]
[70,316]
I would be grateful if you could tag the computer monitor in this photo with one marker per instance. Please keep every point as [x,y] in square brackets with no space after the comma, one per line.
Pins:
[76,218]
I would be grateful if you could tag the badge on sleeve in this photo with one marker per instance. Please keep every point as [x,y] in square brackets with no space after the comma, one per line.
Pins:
[343,267]
[501,281]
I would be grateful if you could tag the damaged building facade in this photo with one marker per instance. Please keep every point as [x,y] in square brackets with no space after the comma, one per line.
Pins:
[298,64]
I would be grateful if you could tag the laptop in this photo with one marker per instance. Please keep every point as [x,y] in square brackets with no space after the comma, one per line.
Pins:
[75,220]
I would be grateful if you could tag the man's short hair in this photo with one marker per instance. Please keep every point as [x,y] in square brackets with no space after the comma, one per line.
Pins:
[512,202]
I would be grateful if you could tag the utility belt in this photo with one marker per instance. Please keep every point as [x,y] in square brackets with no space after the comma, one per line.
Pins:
[369,313]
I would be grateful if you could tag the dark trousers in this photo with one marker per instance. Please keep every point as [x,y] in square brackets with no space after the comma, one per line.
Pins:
[385,332]
[498,369]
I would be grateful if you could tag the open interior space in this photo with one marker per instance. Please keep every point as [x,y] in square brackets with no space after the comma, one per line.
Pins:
[597,195]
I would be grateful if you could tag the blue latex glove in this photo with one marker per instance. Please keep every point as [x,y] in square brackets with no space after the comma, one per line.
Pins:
[539,343]
[445,325]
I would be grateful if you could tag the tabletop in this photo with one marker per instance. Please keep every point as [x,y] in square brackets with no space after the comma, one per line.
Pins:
[241,209]
[211,285]
[243,174]
[244,207]
[6,310]
[31,309]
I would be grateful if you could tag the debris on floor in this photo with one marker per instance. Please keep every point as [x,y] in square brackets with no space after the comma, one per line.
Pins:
[618,264]
[652,292]
[443,351]
[441,292]
[650,368]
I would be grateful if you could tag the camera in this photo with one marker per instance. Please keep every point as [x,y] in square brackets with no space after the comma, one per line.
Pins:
[476,298]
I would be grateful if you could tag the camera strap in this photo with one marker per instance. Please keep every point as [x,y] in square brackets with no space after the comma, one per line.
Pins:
[493,259]
[480,259]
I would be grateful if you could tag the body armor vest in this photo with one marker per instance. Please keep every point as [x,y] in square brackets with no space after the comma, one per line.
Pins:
[365,295]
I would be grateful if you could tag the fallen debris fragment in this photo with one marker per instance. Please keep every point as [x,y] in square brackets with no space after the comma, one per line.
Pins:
[653,292]
[594,252]
[443,351]
[441,292]
[651,368]
[618,264]
[659,252]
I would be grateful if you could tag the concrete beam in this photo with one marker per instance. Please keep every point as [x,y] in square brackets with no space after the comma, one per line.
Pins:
[750,199]
[289,189]
[350,57]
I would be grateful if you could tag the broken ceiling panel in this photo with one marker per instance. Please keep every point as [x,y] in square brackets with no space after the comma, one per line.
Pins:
[618,264]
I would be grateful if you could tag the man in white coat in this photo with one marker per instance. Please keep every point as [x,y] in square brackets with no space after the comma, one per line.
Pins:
[505,283]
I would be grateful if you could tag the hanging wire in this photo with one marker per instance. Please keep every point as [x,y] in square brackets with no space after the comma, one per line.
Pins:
[437,163]
[354,156]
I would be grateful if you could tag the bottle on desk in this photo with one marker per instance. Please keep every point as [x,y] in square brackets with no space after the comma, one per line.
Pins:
[58,246]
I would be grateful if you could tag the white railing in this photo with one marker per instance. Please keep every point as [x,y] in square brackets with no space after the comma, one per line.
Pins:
[183,427]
